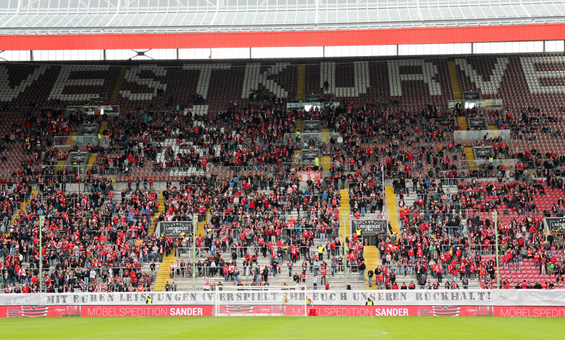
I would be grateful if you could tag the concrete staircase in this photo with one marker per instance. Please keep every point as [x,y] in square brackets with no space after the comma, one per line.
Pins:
[326,135]
[463,123]
[326,163]
[470,156]
[163,274]
[301,85]
[200,230]
[454,77]
[344,226]
[118,85]
[372,261]
[391,208]
[160,210]
[91,161]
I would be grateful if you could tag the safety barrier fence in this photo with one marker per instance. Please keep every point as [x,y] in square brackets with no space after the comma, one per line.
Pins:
[81,141]
[512,303]
[473,135]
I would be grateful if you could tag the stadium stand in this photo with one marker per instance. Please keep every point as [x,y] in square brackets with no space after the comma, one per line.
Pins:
[216,140]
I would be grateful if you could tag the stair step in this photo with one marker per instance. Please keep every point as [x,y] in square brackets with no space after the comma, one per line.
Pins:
[163,275]
[118,85]
[391,208]
[454,77]
[301,85]
[463,123]
[344,228]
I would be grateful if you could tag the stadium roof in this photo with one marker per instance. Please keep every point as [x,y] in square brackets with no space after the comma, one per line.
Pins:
[46,17]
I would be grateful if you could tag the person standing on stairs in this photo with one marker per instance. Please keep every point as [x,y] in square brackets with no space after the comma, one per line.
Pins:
[362,268]
[370,277]
[321,252]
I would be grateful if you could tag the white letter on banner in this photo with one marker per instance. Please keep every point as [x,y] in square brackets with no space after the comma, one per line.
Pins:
[429,72]
[253,77]
[132,76]
[205,75]
[471,297]
[63,82]
[8,93]
[486,87]
[361,79]
[534,70]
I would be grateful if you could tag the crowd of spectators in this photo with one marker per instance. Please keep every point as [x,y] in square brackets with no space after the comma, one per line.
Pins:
[91,242]
[253,204]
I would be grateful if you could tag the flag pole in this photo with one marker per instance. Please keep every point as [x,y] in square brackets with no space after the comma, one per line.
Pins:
[495,218]
[385,212]
[194,227]
[41,223]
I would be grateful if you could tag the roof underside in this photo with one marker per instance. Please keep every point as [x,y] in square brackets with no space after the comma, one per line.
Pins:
[28,17]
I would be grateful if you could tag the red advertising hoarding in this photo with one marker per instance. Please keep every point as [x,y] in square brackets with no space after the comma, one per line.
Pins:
[258,310]
[107,311]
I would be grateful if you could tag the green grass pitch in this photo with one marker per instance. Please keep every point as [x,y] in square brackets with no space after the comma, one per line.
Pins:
[294,328]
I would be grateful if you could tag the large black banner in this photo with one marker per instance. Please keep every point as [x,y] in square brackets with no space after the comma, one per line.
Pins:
[556,223]
[311,126]
[309,155]
[80,157]
[477,123]
[110,110]
[312,97]
[368,227]
[483,152]
[174,229]
[471,95]
[89,129]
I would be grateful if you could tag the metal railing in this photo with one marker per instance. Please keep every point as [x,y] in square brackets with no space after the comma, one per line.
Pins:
[473,135]
[81,141]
